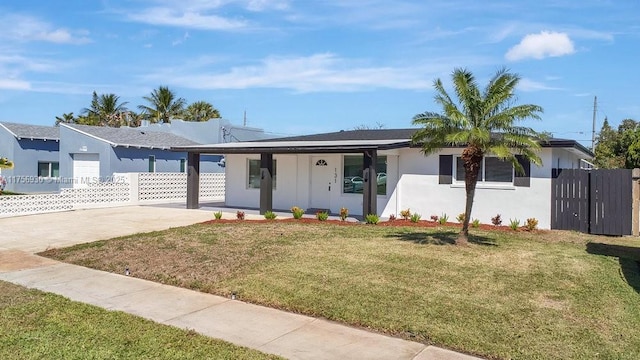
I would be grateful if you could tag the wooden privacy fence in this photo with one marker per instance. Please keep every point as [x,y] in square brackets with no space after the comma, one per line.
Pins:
[593,201]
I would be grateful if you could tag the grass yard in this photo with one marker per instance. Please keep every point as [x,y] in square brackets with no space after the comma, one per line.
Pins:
[37,325]
[547,295]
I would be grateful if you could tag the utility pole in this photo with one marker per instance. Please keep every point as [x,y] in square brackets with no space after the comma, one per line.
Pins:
[244,121]
[593,131]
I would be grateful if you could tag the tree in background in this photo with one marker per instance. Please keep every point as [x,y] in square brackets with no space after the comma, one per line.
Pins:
[163,105]
[105,110]
[66,118]
[618,149]
[481,121]
[200,111]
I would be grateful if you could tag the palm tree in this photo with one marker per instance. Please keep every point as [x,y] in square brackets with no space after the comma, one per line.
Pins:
[163,105]
[483,122]
[200,111]
[66,118]
[106,110]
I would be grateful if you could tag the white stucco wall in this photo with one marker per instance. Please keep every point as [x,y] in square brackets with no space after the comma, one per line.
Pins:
[412,182]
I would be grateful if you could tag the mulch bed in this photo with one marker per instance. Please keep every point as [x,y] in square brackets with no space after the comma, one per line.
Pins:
[397,222]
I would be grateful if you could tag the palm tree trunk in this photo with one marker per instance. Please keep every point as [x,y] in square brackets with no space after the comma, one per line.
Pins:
[472,160]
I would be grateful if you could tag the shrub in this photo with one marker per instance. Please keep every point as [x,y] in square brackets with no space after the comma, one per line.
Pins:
[475,223]
[415,217]
[371,219]
[240,215]
[270,215]
[496,220]
[217,215]
[443,219]
[406,214]
[297,212]
[344,212]
[514,224]
[532,224]
[460,217]
[434,218]
[322,215]
[392,217]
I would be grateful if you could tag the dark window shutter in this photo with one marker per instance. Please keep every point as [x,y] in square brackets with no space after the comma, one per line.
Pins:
[523,179]
[446,168]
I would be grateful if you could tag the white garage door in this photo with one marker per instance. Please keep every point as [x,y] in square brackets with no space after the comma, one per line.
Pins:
[86,169]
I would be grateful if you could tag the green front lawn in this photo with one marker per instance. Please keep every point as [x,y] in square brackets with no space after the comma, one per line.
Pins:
[37,325]
[507,295]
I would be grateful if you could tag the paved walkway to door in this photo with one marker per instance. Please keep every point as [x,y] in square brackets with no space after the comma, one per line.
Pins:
[272,331]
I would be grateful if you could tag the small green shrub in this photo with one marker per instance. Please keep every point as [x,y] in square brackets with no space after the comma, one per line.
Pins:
[514,224]
[496,220]
[344,212]
[217,215]
[532,224]
[443,219]
[270,215]
[475,223]
[460,217]
[406,214]
[297,212]
[322,215]
[371,219]
[415,217]
[240,215]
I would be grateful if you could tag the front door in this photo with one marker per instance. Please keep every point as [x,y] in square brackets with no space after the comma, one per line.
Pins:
[320,183]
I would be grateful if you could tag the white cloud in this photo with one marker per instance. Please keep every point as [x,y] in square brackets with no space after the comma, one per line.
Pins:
[542,45]
[14,84]
[532,85]
[187,19]
[315,73]
[27,28]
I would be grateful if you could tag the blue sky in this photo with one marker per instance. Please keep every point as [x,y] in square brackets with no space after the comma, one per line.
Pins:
[300,67]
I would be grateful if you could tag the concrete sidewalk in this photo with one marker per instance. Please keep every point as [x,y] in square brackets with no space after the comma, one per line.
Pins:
[272,331]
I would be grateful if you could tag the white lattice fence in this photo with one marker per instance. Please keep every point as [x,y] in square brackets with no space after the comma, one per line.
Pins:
[16,205]
[159,187]
[212,186]
[94,196]
[151,188]
[162,187]
[107,194]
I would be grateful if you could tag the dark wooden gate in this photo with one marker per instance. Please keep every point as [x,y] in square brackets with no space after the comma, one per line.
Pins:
[592,201]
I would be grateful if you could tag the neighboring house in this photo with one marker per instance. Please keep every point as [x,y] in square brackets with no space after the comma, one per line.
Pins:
[47,158]
[211,132]
[330,171]
[95,153]
[34,152]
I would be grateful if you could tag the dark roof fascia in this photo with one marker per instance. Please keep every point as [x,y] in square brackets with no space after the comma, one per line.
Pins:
[566,143]
[281,150]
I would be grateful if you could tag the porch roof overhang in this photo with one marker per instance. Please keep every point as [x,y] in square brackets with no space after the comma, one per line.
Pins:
[296,147]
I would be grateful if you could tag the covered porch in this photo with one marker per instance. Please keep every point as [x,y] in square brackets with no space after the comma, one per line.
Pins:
[266,150]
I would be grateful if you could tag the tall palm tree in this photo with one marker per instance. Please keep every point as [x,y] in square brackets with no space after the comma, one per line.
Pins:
[200,111]
[483,122]
[106,110]
[163,105]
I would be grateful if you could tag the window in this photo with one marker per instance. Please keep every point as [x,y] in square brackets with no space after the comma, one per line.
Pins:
[253,178]
[491,170]
[352,181]
[183,165]
[48,169]
[152,163]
